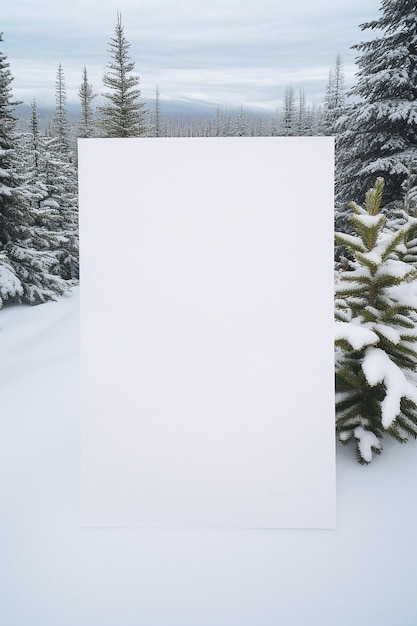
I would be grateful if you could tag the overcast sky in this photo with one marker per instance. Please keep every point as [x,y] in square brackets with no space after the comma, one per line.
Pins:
[230,52]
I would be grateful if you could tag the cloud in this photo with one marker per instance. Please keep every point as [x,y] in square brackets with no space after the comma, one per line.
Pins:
[220,49]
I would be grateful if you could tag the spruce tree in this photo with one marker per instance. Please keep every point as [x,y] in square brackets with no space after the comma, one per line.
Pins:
[49,221]
[302,117]
[60,126]
[378,134]
[335,97]
[241,124]
[124,114]
[376,338]
[289,114]
[10,286]
[406,214]
[27,269]
[60,176]
[86,126]
[156,116]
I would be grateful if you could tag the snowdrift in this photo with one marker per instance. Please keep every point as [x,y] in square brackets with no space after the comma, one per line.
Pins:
[54,572]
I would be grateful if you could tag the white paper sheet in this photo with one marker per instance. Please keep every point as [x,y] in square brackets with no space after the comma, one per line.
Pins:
[207,332]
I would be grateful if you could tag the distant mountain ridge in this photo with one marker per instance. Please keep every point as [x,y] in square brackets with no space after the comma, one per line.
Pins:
[169,108]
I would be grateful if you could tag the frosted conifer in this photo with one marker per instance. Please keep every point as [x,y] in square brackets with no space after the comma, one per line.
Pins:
[10,286]
[60,126]
[378,134]
[289,115]
[376,340]
[86,126]
[335,98]
[28,264]
[27,269]
[123,115]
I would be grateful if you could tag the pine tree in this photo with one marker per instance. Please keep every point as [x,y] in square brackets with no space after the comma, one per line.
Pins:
[10,286]
[222,123]
[376,339]
[378,134]
[31,149]
[124,114]
[302,118]
[407,214]
[26,270]
[60,176]
[276,125]
[86,126]
[409,187]
[335,98]
[38,237]
[289,113]
[60,126]
[241,124]
[157,130]
[49,221]
[333,111]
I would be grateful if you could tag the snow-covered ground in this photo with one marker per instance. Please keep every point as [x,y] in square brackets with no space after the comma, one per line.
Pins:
[54,573]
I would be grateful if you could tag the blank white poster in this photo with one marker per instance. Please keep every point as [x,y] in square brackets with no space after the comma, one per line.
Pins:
[207,332]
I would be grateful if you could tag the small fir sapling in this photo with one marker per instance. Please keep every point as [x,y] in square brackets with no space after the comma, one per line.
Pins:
[376,337]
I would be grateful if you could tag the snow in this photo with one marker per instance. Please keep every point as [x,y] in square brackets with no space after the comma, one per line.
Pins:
[373,257]
[367,442]
[358,336]
[395,268]
[390,333]
[406,293]
[53,572]
[378,368]
[370,221]
[359,272]
[353,240]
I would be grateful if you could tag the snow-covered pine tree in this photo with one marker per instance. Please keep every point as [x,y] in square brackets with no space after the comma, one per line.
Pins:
[241,123]
[28,269]
[10,286]
[335,97]
[378,134]
[407,214]
[376,337]
[276,124]
[124,114]
[302,117]
[60,126]
[333,110]
[221,123]
[86,126]
[289,114]
[31,157]
[60,177]
[157,130]
[49,221]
